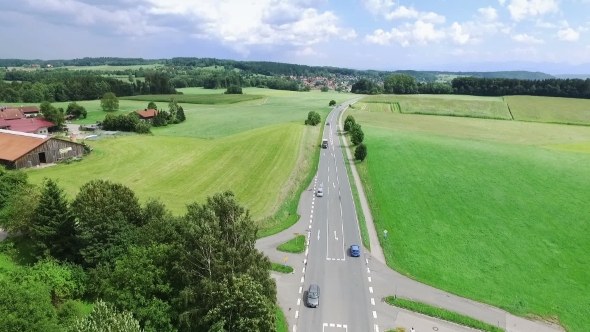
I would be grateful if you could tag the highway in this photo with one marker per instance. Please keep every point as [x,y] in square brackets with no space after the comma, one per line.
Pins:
[345,288]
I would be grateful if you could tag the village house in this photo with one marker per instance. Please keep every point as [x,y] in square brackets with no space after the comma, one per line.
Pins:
[11,114]
[29,111]
[147,114]
[21,150]
[24,125]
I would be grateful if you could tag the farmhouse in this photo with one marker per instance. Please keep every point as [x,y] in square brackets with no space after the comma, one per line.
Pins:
[147,114]
[29,111]
[21,150]
[24,125]
[11,114]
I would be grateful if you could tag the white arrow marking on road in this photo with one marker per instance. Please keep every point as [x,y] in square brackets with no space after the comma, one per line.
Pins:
[336,237]
[318,234]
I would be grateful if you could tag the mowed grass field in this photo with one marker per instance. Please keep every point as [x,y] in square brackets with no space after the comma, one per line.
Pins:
[495,211]
[450,105]
[550,109]
[209,99]
[255,165]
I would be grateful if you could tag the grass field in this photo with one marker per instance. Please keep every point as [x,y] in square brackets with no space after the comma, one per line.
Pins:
[375,107]
[254,164]
[469,212]
[550,109]
[208,99]
[478,107]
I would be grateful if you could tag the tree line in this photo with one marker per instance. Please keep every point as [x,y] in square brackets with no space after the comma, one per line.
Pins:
[406,84]
[141,266]
[60,86]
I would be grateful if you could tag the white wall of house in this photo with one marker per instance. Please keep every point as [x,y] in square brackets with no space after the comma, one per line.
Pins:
[42,131]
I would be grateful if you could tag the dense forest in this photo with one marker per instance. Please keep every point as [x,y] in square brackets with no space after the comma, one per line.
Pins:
[571,88]
[72,85]
[143,268]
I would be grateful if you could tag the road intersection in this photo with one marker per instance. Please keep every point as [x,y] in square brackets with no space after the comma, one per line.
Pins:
[353,288]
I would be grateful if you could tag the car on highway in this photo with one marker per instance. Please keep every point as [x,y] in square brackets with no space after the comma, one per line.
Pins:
[355,251]
[320,192]
[313,296]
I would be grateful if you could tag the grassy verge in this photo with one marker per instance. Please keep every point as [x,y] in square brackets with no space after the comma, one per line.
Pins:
[355,195]
[295,245]
[281,268]
[281,321]
[442,314]
[287,214]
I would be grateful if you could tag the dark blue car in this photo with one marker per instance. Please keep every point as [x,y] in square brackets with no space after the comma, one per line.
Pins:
[355,251]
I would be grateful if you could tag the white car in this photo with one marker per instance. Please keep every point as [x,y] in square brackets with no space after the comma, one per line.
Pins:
[320,192]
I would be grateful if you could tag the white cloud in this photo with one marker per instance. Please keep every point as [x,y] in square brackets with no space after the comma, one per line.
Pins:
[539,23]
[568,34]
[309,52]
[403,12]
[521,9]
[489,13]
[419,33]
[458,35]
[501,2]
[526,39]
[378,6]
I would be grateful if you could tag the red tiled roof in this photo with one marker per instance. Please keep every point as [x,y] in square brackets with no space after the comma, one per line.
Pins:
[11,113]
[14,146]
[29,125]
[147,114]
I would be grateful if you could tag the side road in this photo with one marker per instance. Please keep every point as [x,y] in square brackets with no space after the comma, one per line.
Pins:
[393,283]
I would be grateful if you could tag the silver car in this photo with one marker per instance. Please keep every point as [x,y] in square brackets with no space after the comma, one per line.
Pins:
[320,192]
[313,296]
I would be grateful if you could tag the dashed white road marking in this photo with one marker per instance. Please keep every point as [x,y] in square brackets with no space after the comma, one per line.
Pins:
[374,314]
[371,290]
[376,328]
[298,301]
[372,301]
[303,278]
[369,279]
[297,314]
[300,289]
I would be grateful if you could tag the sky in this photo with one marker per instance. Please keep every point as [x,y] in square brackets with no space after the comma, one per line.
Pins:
[544,35]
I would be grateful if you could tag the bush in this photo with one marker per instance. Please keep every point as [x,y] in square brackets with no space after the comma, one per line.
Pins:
[332,103]
[234,90]
[360,153]
[313,118]
[349,122]
[357,135]
[126,122]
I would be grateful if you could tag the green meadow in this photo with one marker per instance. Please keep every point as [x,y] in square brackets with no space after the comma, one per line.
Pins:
[263,152]
[550,109]
[491,210]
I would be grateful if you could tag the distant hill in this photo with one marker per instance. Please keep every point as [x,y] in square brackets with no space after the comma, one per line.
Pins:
[579,76]
[274,68]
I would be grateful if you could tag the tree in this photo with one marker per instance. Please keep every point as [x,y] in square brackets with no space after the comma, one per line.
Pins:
[173,109]
[313,118]
[105,318]
[52,114]
[54,224]
[26,306]
[76,110]
[324,89]
[225,249]
[147,294]
[360,153]
[349,122]
[356,134]
[9,183]
[19,211]
[332,103]
[152,106]
[400,84]
[180,114]
[109,102]
[306,88]
[241,306]
[234,89]
[108,214]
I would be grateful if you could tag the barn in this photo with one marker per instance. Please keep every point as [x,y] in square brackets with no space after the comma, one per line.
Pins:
[21,150]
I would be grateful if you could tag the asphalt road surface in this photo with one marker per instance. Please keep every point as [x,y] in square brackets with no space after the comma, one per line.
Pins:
[345,290]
